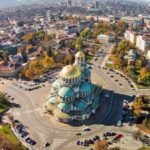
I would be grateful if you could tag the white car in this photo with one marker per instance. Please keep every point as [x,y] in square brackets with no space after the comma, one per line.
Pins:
[107,95]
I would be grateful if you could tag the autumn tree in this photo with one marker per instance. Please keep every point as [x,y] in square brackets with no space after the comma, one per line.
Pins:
[68,59]
[48,62]
[5,55]
[84,33]
[79,43]
[49,51]
[137,106]
[28,38]
[143,71]
[101,145]
[138,64]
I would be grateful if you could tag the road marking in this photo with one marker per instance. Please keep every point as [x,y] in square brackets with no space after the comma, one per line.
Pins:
[56,143]
[27,111]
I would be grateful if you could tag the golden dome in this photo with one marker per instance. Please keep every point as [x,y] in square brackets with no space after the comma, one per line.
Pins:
[70,71]
[80,55]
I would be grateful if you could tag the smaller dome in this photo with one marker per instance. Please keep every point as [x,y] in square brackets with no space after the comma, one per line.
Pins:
[53,100]
[80,55]
[66,92]
[85,87]
[81,105]
[87,72]
[70,71]
[63,106]
[61,115]
[56,84]
[49,106]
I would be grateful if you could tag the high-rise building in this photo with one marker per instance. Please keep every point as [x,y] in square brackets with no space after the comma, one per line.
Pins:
[69,3]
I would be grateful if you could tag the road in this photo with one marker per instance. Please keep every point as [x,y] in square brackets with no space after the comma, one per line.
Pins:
[43,128]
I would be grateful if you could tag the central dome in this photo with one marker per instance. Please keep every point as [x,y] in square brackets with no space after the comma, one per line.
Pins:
[70,71]
[80,55]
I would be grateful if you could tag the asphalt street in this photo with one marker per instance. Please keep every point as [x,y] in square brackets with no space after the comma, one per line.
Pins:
[61,137]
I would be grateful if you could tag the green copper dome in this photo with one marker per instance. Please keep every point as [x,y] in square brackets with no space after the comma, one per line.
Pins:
[85,87]
[63,106]
[81,105]
[66,92]
[87,72]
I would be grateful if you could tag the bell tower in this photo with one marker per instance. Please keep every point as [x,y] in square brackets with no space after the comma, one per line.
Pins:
[80,60]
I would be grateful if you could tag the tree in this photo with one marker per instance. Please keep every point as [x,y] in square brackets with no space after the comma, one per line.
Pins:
[101,145]
[29,74]
[84,33]
[143,71]
[138,64]
[145,79]
[5,55]
[68,59]
[79,43]
[146,122]
[28,38]
[137,106]
[49,51]
[24,55]
[48,62]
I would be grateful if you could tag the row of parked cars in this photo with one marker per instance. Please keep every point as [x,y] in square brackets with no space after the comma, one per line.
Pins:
[25,86]
[122,75]
[115,137]
[22,133]
[126,115]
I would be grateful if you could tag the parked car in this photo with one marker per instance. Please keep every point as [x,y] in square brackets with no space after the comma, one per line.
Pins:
[87,129]
[78,133]
[46,144]
[118,136]
[119,123]
[78,142]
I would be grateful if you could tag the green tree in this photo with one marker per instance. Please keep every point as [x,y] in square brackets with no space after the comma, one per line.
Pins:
[5,55]
[138,64]
[49,51]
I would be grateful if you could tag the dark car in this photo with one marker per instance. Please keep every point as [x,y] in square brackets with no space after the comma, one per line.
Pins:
[32,142]
[78,142]
[46,144]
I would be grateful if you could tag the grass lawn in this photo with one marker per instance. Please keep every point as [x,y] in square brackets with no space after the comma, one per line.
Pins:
[109,65]
[142,86]
[3,104]
[6,131]
[144,148]
[88,58]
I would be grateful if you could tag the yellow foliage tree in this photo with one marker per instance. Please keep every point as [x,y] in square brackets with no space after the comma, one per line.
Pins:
[48,62]
[28,37]
[68,59]
[143,71]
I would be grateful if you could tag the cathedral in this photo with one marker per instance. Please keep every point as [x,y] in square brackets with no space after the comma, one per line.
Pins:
[73,96]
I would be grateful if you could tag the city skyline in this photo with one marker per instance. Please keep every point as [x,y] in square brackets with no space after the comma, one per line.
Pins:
[13,3]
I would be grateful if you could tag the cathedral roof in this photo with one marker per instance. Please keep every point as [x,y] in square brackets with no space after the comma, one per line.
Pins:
[66,92]
[80,54]
[70,71]
[85,87]
[63,106]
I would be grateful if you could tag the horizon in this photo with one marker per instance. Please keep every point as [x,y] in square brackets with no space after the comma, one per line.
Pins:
[14,3]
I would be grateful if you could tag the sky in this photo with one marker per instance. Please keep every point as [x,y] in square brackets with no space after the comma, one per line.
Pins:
[9,3]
